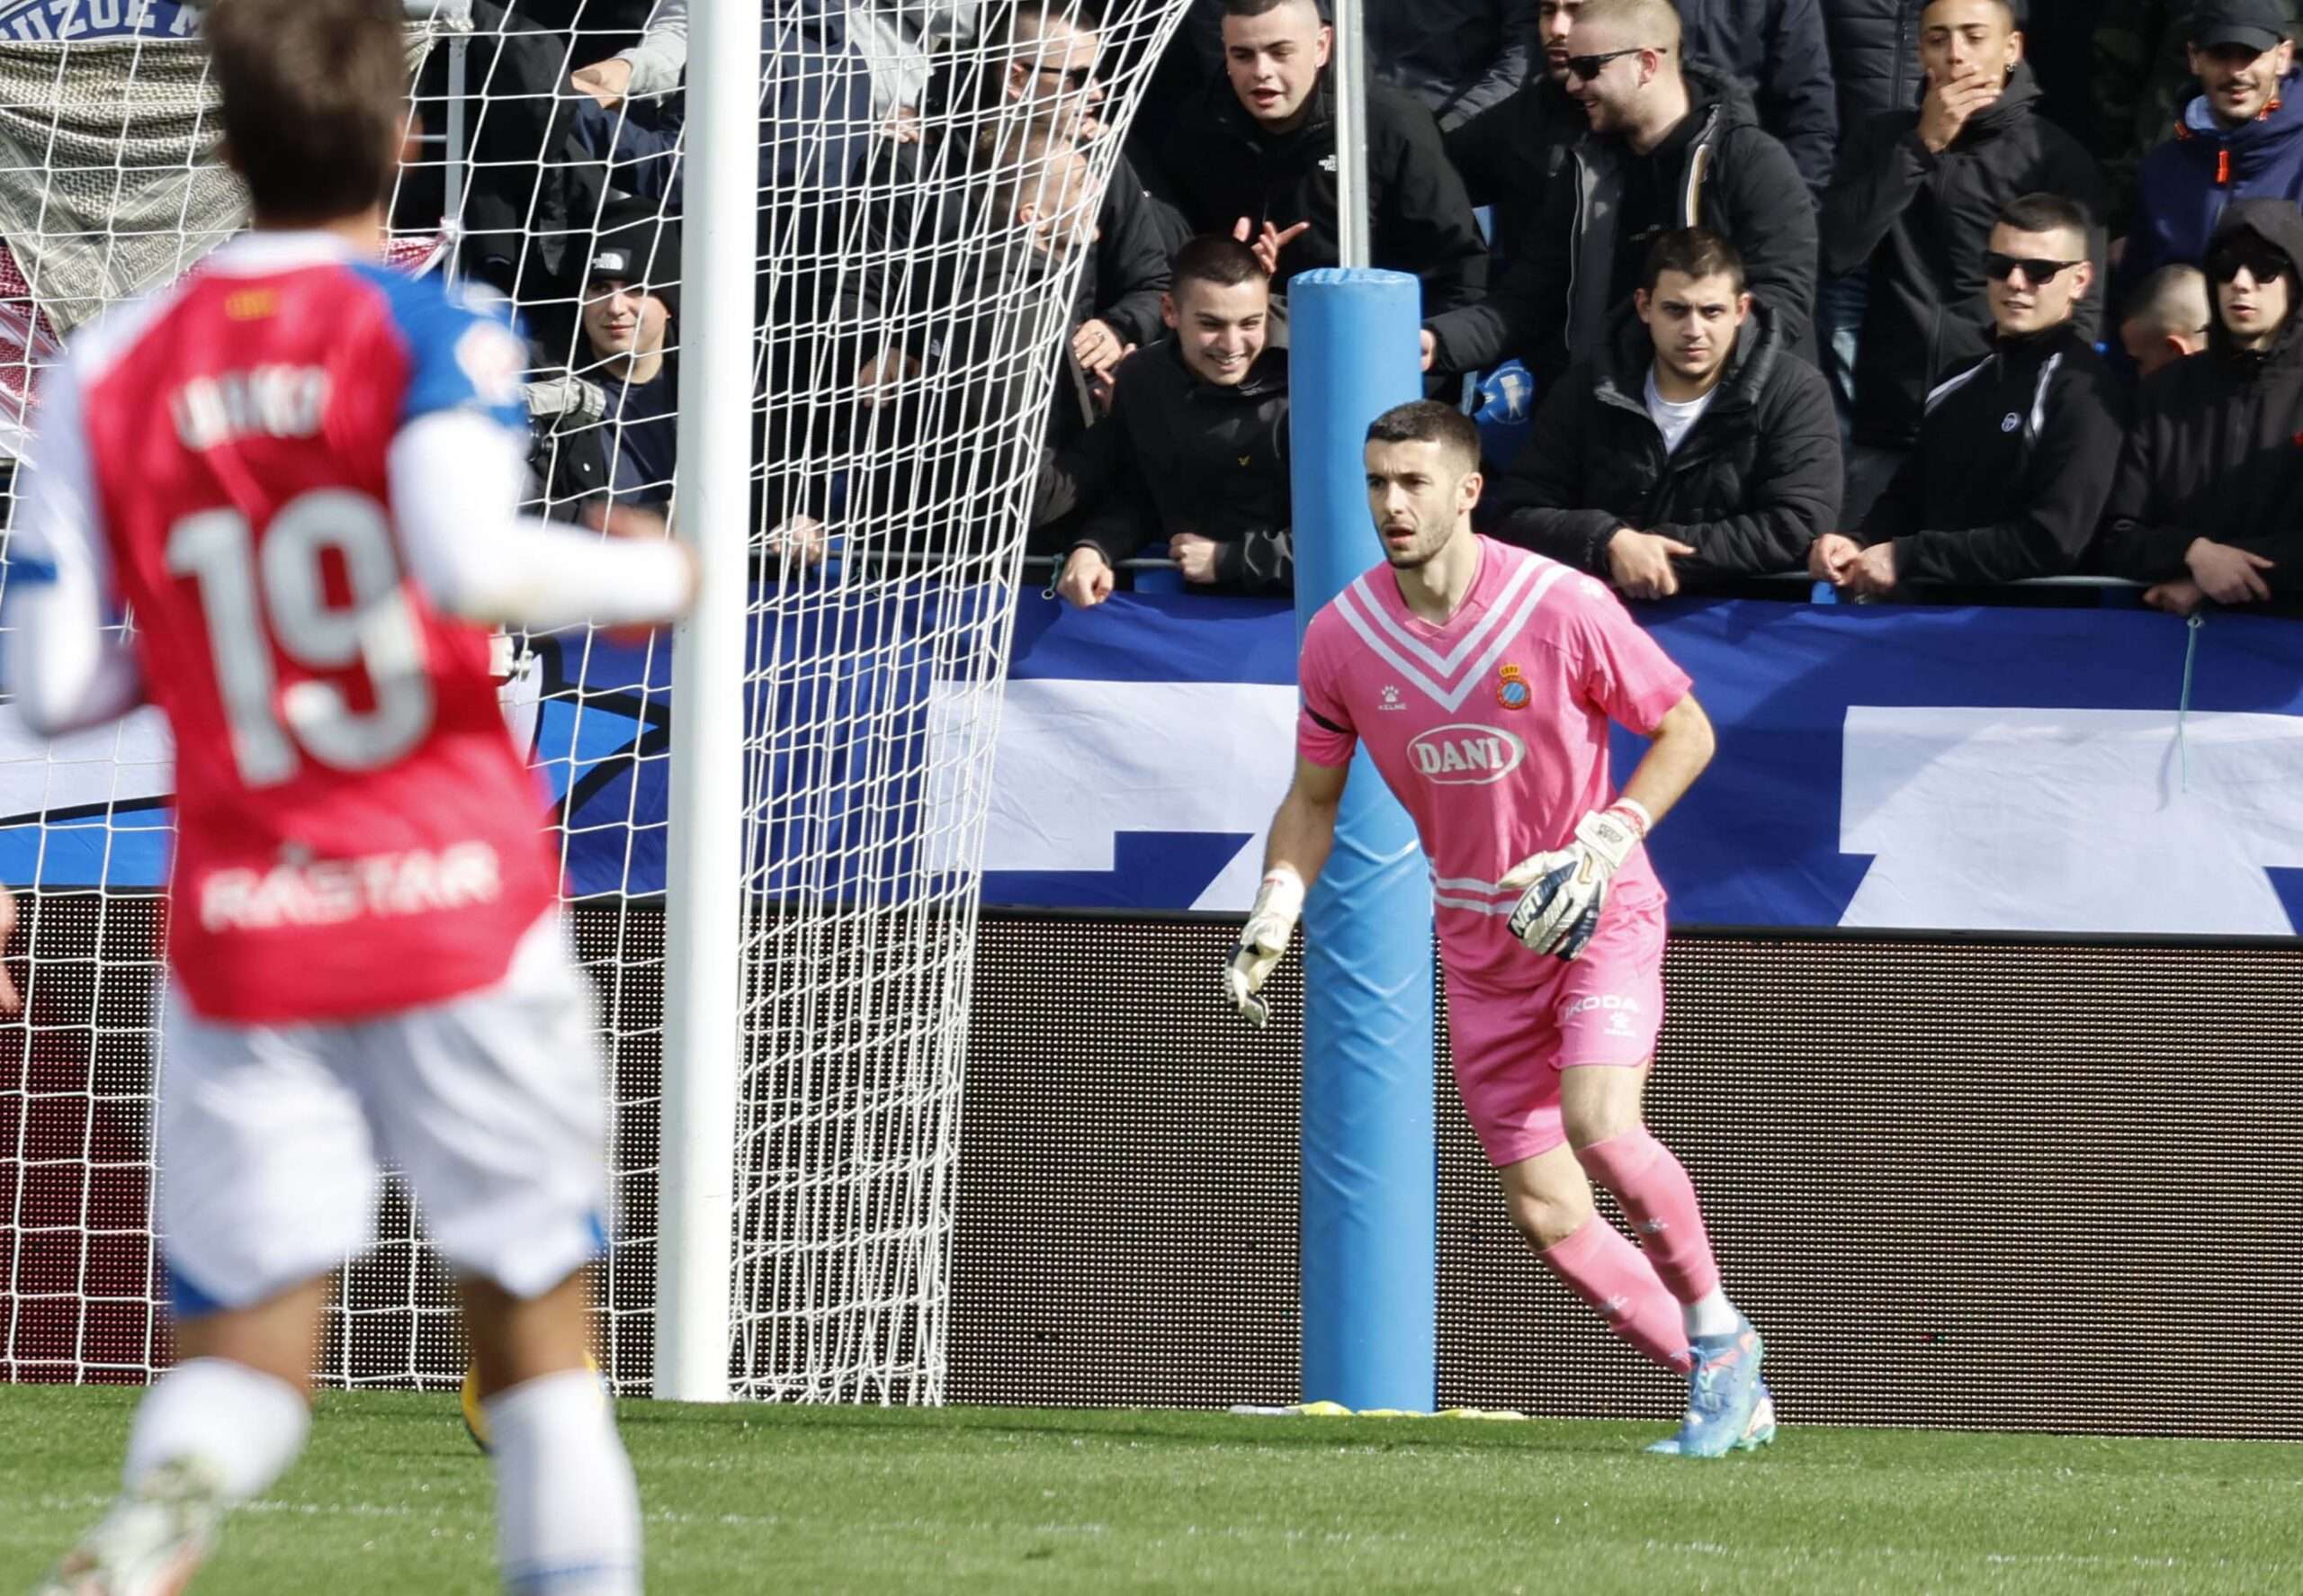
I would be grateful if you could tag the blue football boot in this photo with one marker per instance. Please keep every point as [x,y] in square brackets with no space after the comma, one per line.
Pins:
[1724,1391]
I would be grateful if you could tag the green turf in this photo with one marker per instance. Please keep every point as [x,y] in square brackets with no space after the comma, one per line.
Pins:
[391,1498]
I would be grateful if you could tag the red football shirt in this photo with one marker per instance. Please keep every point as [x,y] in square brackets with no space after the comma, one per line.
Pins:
[356,834]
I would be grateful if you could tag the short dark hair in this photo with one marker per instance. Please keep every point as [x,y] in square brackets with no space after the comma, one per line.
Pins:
[1258,7]
[1692,252]
[2046,213]
[2013,9]
[314,100]
[2173,299]
[1428,421]
[1214,259]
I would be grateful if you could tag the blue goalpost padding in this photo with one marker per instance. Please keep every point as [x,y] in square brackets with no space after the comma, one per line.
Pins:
[1370,1176]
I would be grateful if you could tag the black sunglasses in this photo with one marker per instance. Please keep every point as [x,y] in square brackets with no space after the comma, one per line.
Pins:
[1076,77]
[2000,267]
[1588,67]
[2262,263]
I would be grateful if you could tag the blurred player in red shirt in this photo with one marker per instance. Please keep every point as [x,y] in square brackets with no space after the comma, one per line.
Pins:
[301,471]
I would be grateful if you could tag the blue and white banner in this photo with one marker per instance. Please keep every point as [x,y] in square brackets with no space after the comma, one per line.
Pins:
[2002,770]
[47,21]
[1974,769]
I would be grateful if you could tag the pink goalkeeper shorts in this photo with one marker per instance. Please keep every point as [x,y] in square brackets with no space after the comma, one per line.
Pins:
[1509,1045]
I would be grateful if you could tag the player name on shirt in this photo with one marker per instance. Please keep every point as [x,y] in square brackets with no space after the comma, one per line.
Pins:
[275,401]
[332,892]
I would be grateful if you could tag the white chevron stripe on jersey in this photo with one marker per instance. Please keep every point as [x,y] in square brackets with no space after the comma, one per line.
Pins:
[1474,904]
[1444,668]
[1376,635]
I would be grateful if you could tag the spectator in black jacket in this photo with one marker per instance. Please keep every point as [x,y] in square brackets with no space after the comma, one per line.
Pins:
[1917,195]
[1259,147]
[1777,50]
[608,429]
[2208,501]
[1037,70]
[1672,147]
[1193,459]
[2167,318]
[1695,449]
[1509,153]
[1458,57]
[2016,455]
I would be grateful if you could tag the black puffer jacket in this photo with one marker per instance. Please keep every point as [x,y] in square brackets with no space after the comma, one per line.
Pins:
[2216,451]
[1731,176]
[1875,57]
[1775,48]
[1181,455]
[1755,481]
[1922,221]
[1510,154]
[1225,167]
[2014,462]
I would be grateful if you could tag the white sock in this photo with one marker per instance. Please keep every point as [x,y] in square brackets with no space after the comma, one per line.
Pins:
[567,1509]
[1711,1314]
[247,1425]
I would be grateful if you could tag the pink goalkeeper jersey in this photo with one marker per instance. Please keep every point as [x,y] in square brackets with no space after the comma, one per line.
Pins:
[1492,729]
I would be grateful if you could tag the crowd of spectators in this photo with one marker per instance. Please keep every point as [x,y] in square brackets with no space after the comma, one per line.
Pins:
[1917,297]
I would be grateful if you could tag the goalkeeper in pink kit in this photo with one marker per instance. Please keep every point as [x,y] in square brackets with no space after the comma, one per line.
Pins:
[1483,679]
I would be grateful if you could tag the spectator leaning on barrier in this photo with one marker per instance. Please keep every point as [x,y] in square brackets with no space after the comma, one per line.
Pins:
[1459,57]
[1195,455]
[610,428]
[1509,153]
[2208,501]
[1670,146]
[1778,49]
[1917,195]
[2242,138]
[1259,147]
[1693,449]
[2167,320]
[2017,453]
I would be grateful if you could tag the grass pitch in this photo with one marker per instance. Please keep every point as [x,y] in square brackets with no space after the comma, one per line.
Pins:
[391,1498]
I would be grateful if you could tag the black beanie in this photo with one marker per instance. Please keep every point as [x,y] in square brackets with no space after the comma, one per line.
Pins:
[636,244]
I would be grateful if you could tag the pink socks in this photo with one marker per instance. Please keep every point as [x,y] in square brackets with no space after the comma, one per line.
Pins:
[1659,1199]
[1600,1266]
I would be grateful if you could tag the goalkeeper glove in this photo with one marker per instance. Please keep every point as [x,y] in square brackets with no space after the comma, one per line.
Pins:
[1559,910]
[1262,940]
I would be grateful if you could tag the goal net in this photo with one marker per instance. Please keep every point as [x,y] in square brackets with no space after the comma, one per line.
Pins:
[925,242]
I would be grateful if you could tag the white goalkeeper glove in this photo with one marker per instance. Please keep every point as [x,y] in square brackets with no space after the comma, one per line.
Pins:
[1279,903]
[1558,911]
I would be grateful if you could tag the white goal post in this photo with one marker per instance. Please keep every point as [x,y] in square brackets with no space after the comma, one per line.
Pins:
[773,816]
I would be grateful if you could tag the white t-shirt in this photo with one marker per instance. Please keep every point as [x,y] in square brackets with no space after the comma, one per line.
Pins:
[1674,420]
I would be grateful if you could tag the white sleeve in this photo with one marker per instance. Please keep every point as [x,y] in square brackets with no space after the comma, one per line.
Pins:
[661,57]
[456,478]
[63,670]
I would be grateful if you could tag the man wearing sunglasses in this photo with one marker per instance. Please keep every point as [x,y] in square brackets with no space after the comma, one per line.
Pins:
[1913,202]
[1672,145]
[2208,505]
[1509,153]
[2242,138]
[2016,454]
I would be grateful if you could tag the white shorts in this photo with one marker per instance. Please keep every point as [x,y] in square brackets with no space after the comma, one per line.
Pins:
[272,1137]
